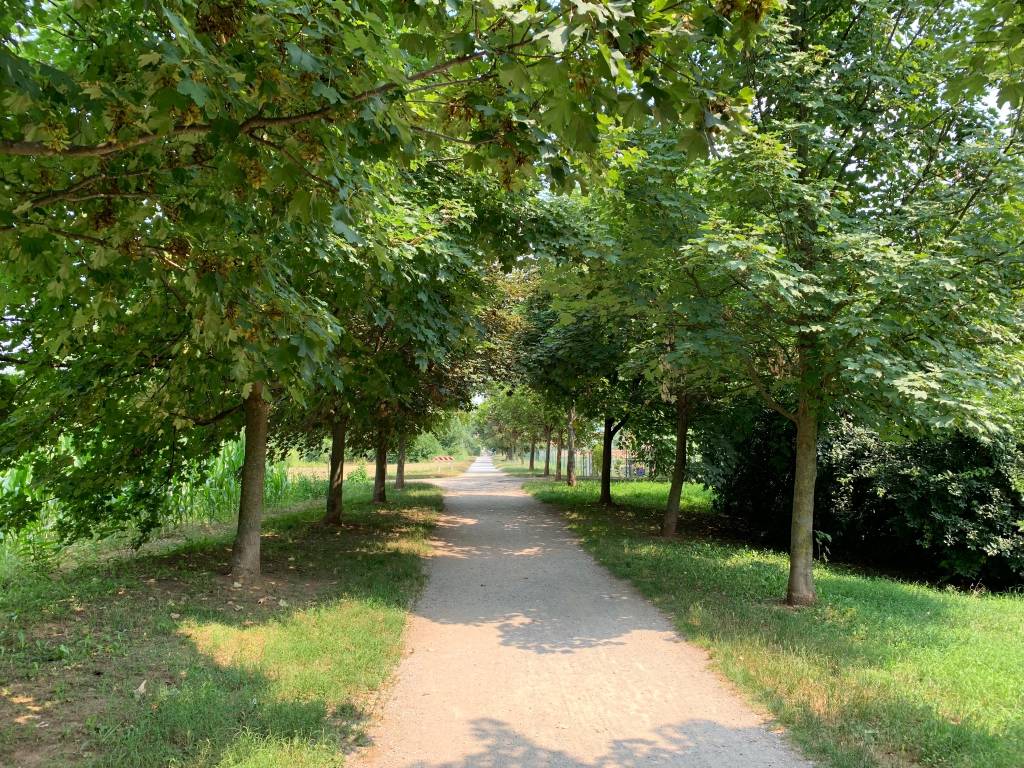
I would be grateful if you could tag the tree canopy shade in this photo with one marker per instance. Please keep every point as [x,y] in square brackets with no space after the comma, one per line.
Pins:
[191,191]
[858,252]
[297,215]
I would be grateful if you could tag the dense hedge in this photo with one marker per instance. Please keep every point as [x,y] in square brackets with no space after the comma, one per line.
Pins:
[947,506]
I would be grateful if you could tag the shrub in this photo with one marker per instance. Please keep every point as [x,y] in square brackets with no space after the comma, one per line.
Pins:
[424,447]
[359,475]
[945,506]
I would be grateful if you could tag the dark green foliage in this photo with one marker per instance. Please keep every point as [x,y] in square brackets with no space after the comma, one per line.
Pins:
[945,506]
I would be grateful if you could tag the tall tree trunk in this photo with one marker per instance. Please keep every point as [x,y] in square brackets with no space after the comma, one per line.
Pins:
[675,491]
[801,550]
[380,475]
[337,474]
[558,458]
[606,461]
[547,454]
[400,469]
[570,450]
[245,554]
[533,451]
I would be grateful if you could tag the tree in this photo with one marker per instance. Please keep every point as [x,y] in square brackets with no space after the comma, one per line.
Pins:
[858,250]
[181,175]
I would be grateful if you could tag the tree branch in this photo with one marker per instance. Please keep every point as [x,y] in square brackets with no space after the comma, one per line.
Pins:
[41,149]
[207,421]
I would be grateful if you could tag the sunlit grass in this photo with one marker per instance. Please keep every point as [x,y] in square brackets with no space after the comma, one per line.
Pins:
[281,672]
[879,673]
[414,470]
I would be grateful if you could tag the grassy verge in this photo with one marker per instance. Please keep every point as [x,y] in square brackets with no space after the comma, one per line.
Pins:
[414,470]
[520,469]
[158,660]
[879,673]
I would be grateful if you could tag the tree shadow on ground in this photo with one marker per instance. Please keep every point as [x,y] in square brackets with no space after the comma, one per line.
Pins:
[689,744]
[509,563]
[161,660]
[857,676]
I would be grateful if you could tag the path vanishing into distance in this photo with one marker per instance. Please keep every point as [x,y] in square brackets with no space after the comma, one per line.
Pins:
[523,652]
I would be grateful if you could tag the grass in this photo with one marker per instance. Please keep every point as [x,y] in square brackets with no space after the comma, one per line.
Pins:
[879,673]
[158,660]
[520,469]
[414,470]
[198,508]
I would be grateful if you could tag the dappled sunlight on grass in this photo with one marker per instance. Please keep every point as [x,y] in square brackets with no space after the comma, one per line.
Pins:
[326,652]
[159,660]
[879,673]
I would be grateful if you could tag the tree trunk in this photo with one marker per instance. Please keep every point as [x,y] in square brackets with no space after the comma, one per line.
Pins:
[400,469]
[675,492]
[533,451]
[547,455]
[380,475]
[801,551]
[558,459]
[606,461]
[570,449]
[337,474]
[245,554]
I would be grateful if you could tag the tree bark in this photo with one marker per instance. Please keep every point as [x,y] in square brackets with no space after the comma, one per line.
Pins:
[533,451]
[675,491]
[558,458]
[245,554]
[400,468]
[801,551]
[337,473]
[606,460]
[380,475]
[570,449]
[547,454]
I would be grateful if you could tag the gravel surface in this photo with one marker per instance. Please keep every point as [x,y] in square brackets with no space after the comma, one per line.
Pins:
[523,652]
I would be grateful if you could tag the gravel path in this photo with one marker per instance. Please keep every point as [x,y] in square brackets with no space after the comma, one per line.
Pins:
[523,653]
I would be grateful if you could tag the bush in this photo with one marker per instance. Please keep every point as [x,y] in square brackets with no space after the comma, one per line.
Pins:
[424,447]
[359,475]
[456,436]
[945,506]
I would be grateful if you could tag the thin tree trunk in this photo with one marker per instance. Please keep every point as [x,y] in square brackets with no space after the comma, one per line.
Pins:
[400,469]
[533,451]
[675,492]
[547,455]
[570,451]
[380,475]
[558,458]
[337,474]
[801,551]
[606,461]
[245,554]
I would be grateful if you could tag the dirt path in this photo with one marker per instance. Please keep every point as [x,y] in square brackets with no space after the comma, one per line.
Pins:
[524,653]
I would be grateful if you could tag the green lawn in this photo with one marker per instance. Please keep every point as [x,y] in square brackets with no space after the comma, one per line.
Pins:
[879,673]
[157,660]
[519,469]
